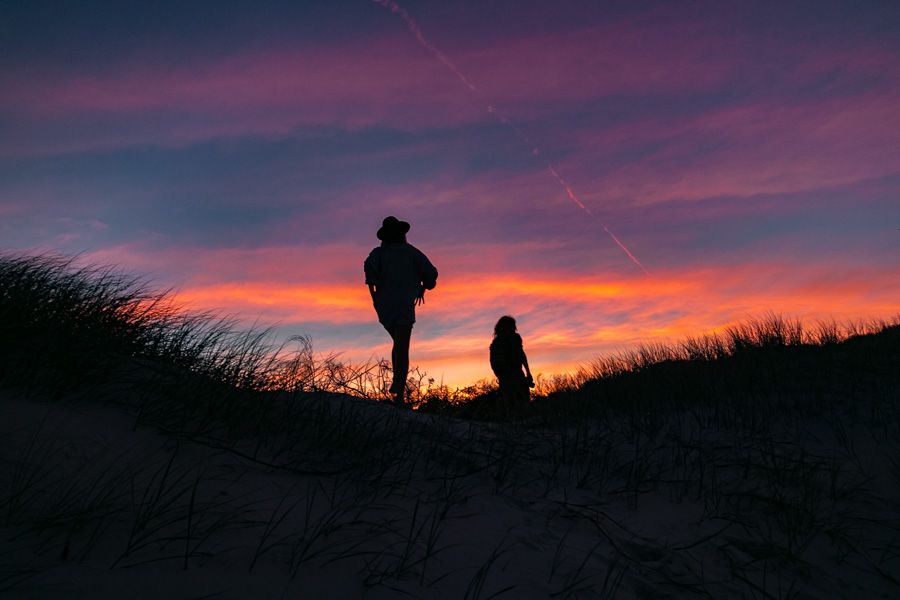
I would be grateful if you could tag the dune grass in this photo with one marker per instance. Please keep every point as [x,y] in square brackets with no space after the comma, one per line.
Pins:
[84,322]
[778,441]
[763,363]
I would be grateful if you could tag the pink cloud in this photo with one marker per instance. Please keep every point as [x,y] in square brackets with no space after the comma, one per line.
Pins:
[266,93]
[760,148]
[391,81]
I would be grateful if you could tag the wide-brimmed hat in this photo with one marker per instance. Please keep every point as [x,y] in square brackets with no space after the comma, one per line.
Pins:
[392,228]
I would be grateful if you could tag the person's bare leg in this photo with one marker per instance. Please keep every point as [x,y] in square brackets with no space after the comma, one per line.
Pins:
[393,332]
[401,335]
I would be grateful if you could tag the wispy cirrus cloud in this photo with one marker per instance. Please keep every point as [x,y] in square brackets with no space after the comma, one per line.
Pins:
[745,150]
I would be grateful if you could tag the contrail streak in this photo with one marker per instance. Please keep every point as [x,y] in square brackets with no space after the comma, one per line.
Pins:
[420,37]
[578,202]
[414,28]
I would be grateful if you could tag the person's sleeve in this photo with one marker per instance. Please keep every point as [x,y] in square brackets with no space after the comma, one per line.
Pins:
[370,268]
[427,273]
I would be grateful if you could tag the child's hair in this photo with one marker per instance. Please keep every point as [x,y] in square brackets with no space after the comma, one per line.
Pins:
[505,326]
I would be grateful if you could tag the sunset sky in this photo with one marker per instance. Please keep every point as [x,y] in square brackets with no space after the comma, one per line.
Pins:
[244,154]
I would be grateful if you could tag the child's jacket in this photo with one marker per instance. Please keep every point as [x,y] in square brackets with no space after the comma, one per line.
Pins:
[507,356]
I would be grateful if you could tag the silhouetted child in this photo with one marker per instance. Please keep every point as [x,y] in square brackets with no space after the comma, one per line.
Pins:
[507,360]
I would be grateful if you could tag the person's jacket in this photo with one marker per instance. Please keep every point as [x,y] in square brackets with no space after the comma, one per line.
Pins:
[398,271]
[507,356]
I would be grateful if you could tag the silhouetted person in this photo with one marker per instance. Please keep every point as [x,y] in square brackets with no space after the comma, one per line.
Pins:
[507,360]
[398,275]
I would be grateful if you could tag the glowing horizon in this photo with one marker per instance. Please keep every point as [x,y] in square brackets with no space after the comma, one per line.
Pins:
[460,359]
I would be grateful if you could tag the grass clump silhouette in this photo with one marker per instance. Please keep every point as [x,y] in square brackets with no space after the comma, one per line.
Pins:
[747,370]
[83,323]
[762,365]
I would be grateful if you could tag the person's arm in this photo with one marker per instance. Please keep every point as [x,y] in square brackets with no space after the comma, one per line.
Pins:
[525,364]
[528,376]
[427,276]
[427,272]
[371,271]
[420,298]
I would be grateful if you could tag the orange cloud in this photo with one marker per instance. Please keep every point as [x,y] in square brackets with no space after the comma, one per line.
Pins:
[292,302]
[566,321]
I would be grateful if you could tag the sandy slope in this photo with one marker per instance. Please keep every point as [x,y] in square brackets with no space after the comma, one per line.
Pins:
[361,500]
